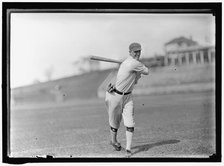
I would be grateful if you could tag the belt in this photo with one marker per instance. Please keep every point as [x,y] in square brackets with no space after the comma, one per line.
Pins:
[121,93]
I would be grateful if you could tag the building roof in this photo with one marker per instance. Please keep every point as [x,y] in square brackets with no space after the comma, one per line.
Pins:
[181,40]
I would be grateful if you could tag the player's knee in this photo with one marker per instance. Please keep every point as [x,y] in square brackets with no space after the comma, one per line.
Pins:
[129,122]
[113,129]
[130,129]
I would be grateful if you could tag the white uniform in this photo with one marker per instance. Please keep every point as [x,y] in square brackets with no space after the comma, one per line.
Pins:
[122,105]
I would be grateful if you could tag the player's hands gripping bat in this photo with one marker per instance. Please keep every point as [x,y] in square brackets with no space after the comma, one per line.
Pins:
[110,88]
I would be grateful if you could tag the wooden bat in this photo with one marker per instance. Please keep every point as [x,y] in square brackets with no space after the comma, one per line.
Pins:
[98,58]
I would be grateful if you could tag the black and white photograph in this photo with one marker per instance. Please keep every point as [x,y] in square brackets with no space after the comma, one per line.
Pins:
[112,83]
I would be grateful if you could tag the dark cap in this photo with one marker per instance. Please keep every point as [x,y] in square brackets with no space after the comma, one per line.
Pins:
[135,47]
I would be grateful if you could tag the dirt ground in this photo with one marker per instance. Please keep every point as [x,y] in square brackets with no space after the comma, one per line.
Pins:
[172,125]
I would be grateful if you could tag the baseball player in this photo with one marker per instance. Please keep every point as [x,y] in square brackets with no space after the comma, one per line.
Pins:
[119,97]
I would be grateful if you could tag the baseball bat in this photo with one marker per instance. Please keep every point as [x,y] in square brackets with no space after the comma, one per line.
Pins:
[98,58]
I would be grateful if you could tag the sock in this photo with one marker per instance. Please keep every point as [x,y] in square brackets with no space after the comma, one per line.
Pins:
[129,136]
[113,136]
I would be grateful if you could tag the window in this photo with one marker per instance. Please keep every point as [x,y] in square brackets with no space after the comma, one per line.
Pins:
[183,59]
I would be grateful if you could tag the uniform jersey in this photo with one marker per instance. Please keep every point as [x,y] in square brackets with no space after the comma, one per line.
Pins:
[128,73]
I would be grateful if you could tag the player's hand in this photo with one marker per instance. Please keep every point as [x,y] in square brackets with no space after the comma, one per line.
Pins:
[110,88]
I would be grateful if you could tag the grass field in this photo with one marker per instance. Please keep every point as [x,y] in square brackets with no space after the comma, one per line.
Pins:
[172,125]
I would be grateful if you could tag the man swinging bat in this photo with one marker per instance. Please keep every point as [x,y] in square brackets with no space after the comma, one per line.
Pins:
[119,96]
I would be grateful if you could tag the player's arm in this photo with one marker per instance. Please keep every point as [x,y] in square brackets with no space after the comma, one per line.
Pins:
[138,76]
[140,68]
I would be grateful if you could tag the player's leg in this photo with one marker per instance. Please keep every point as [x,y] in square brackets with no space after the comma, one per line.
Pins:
[115,116]
[128,117]
[129,136]
[114,121]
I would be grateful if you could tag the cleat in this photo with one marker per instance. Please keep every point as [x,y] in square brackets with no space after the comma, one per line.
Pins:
[116,145]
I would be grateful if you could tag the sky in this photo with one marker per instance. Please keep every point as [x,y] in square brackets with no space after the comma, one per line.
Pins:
[41,42]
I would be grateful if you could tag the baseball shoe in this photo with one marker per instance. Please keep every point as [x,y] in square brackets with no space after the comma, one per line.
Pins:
[128,153]
[116,145]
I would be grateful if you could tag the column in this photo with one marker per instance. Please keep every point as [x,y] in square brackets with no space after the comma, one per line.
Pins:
[209,56]
[180,59]
[202,56]
[194,57]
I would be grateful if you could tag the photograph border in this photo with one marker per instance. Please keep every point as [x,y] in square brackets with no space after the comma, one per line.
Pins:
[57,7]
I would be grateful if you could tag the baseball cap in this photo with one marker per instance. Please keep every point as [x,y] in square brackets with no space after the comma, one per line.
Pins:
[135,47]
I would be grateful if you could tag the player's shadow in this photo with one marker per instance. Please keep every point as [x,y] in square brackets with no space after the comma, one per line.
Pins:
[146,147]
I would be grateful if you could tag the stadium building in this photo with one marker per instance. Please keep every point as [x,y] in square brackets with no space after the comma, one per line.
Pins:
[184,51]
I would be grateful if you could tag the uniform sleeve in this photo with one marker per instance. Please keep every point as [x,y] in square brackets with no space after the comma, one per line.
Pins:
[139,67]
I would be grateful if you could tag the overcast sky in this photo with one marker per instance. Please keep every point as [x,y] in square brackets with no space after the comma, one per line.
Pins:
[40,41]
